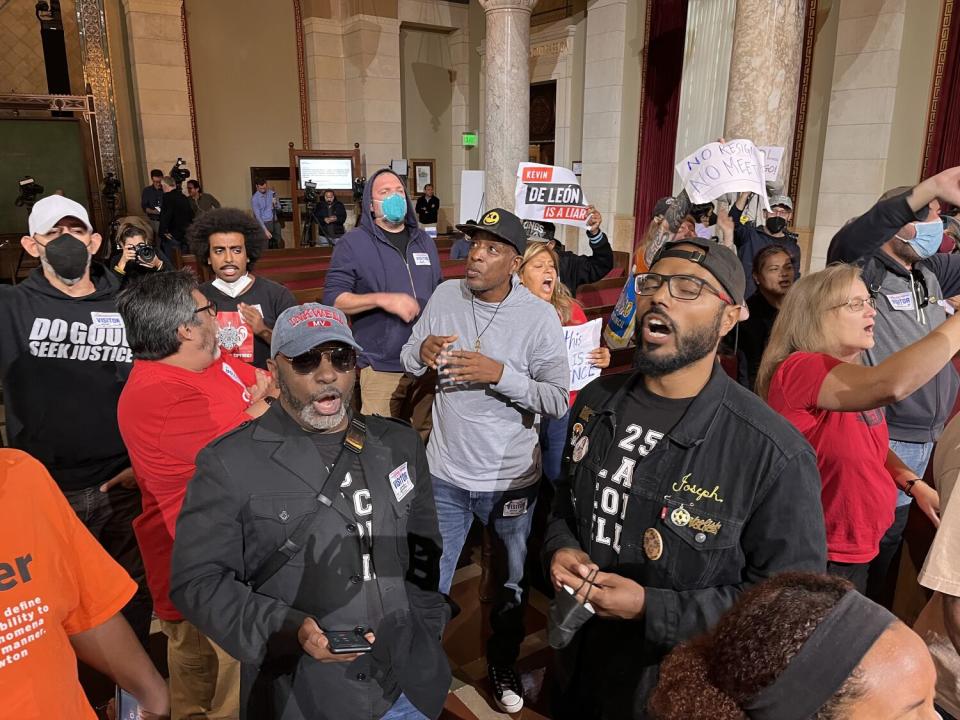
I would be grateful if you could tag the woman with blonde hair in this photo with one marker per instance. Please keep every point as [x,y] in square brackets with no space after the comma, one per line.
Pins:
[539,274]
[812,373]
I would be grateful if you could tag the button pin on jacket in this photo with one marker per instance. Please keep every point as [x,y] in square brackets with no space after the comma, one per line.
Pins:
[652,544]
[680,517]
[284,515]
[580,449]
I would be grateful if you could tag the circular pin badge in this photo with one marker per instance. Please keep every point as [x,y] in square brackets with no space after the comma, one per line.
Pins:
[680,517]
[577,431]
[580,449]
[652,544]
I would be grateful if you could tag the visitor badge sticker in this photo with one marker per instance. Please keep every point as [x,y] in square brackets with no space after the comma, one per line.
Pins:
[421,259]
[652,544]
[106,319]
[580,448]
[400,482]
[901,301]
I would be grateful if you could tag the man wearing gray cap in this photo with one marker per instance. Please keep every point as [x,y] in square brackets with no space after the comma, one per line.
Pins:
[751,239]
[679,488]
[308,545]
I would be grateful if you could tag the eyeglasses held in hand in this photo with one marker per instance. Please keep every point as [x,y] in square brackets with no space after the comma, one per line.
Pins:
[343,359]
[681,287]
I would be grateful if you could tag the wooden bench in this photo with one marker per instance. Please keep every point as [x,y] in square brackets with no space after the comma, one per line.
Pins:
[305,295]
[602,292]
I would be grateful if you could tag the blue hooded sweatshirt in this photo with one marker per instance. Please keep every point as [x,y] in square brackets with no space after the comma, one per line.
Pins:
[364,262]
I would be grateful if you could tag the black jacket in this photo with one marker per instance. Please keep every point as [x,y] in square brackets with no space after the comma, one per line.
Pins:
[921,416]
[252,487]
[754,335]
[176,214]
[763,477]
[63,364]
[577,270]
[323,210]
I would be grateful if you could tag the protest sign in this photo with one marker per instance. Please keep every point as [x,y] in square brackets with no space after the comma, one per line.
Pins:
[549,193]
[772,159]
[720,168]
[581,339]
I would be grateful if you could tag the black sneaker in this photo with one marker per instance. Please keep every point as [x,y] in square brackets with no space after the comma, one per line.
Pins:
[507,689]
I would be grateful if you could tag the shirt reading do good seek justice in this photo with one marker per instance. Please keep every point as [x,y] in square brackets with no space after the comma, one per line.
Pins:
[55,581]
[643,420]
[167,415]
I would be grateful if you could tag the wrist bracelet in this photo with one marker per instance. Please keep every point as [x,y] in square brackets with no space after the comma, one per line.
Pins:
[908,489]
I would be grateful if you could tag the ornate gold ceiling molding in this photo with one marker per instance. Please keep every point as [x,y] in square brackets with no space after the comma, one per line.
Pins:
[193,110]
[803,98]
[301,74]
[937,89]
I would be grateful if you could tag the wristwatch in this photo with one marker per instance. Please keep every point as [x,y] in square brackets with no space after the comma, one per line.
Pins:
[908,489]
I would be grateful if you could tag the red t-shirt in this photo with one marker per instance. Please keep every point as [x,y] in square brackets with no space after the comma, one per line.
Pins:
[577,317]
[858,493]
[55,581]
[167,415]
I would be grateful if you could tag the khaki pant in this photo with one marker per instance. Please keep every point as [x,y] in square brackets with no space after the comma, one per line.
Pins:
[204,680]
[399,396]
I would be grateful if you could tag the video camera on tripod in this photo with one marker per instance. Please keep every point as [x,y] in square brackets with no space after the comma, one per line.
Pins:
[179,171]
[29,190]
[310,192]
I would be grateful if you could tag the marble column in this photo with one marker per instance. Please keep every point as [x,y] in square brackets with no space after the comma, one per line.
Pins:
[765,74]
[507,98]
[158,68]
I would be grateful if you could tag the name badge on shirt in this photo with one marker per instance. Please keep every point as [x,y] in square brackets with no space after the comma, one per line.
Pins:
[421,259]
[106,319]
[400,482]
[901,301]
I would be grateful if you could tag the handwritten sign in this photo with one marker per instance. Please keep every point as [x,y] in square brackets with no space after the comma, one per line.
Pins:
[581,339]
[772,159]
[720,168]
[550,193]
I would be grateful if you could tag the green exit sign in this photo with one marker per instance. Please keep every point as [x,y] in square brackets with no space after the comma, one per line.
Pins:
[469,139]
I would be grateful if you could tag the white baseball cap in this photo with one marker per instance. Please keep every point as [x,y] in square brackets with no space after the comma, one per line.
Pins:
[48,211]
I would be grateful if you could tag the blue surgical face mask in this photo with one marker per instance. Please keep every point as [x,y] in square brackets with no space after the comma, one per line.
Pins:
[394,208]
[928,239]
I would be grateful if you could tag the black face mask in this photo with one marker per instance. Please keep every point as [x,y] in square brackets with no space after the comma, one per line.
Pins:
[776,224]
[68,257]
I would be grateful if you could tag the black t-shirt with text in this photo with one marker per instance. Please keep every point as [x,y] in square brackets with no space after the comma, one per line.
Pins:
[643,419]
[235,335]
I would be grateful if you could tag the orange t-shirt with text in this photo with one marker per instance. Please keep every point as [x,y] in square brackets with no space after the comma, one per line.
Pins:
[55,581]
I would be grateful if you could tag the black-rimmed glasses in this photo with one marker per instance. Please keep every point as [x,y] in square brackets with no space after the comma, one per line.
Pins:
[209,308]
[681,287]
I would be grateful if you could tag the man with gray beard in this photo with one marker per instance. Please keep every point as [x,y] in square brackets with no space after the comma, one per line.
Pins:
[679,488]
[308,545]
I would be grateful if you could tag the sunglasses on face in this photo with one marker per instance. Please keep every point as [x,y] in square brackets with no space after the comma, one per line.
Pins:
[343,359]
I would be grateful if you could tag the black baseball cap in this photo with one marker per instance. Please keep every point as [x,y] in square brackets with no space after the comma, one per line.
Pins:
[503,225]
[721,261]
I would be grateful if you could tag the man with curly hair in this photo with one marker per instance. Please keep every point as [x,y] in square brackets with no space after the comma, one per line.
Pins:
[230,241]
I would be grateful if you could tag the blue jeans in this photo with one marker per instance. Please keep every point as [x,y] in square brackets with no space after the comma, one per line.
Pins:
[915,456]
[553,436]
[456,509]
[403,709]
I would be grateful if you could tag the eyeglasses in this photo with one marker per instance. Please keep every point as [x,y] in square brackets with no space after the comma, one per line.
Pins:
[856,304]
[211,308]
[343,359]
[681,287]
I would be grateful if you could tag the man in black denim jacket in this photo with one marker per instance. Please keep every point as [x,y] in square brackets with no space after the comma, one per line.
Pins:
[679,486]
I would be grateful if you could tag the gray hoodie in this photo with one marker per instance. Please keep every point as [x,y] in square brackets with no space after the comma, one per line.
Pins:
[485,437]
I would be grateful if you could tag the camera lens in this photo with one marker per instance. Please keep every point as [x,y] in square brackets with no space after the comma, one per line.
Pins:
[145,253]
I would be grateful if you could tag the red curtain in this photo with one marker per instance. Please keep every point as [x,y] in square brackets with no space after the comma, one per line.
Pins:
[943,150]
[660,106]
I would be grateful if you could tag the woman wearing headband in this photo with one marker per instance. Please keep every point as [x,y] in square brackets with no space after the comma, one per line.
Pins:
[799,647]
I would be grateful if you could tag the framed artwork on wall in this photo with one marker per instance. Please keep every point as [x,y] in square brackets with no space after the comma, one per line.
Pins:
[422,173]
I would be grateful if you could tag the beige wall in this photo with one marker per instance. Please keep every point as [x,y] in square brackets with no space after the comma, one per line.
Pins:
[921,30]
[427,93]
[21,52]
[246,91]
[818,105]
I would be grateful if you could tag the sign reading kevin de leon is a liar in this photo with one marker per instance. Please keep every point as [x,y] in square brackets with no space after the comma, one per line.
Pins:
[719,168]
[550,193]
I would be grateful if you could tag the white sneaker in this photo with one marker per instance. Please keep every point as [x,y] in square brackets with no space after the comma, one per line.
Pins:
[507,688]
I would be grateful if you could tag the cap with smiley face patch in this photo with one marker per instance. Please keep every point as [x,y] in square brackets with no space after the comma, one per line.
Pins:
[503,225]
